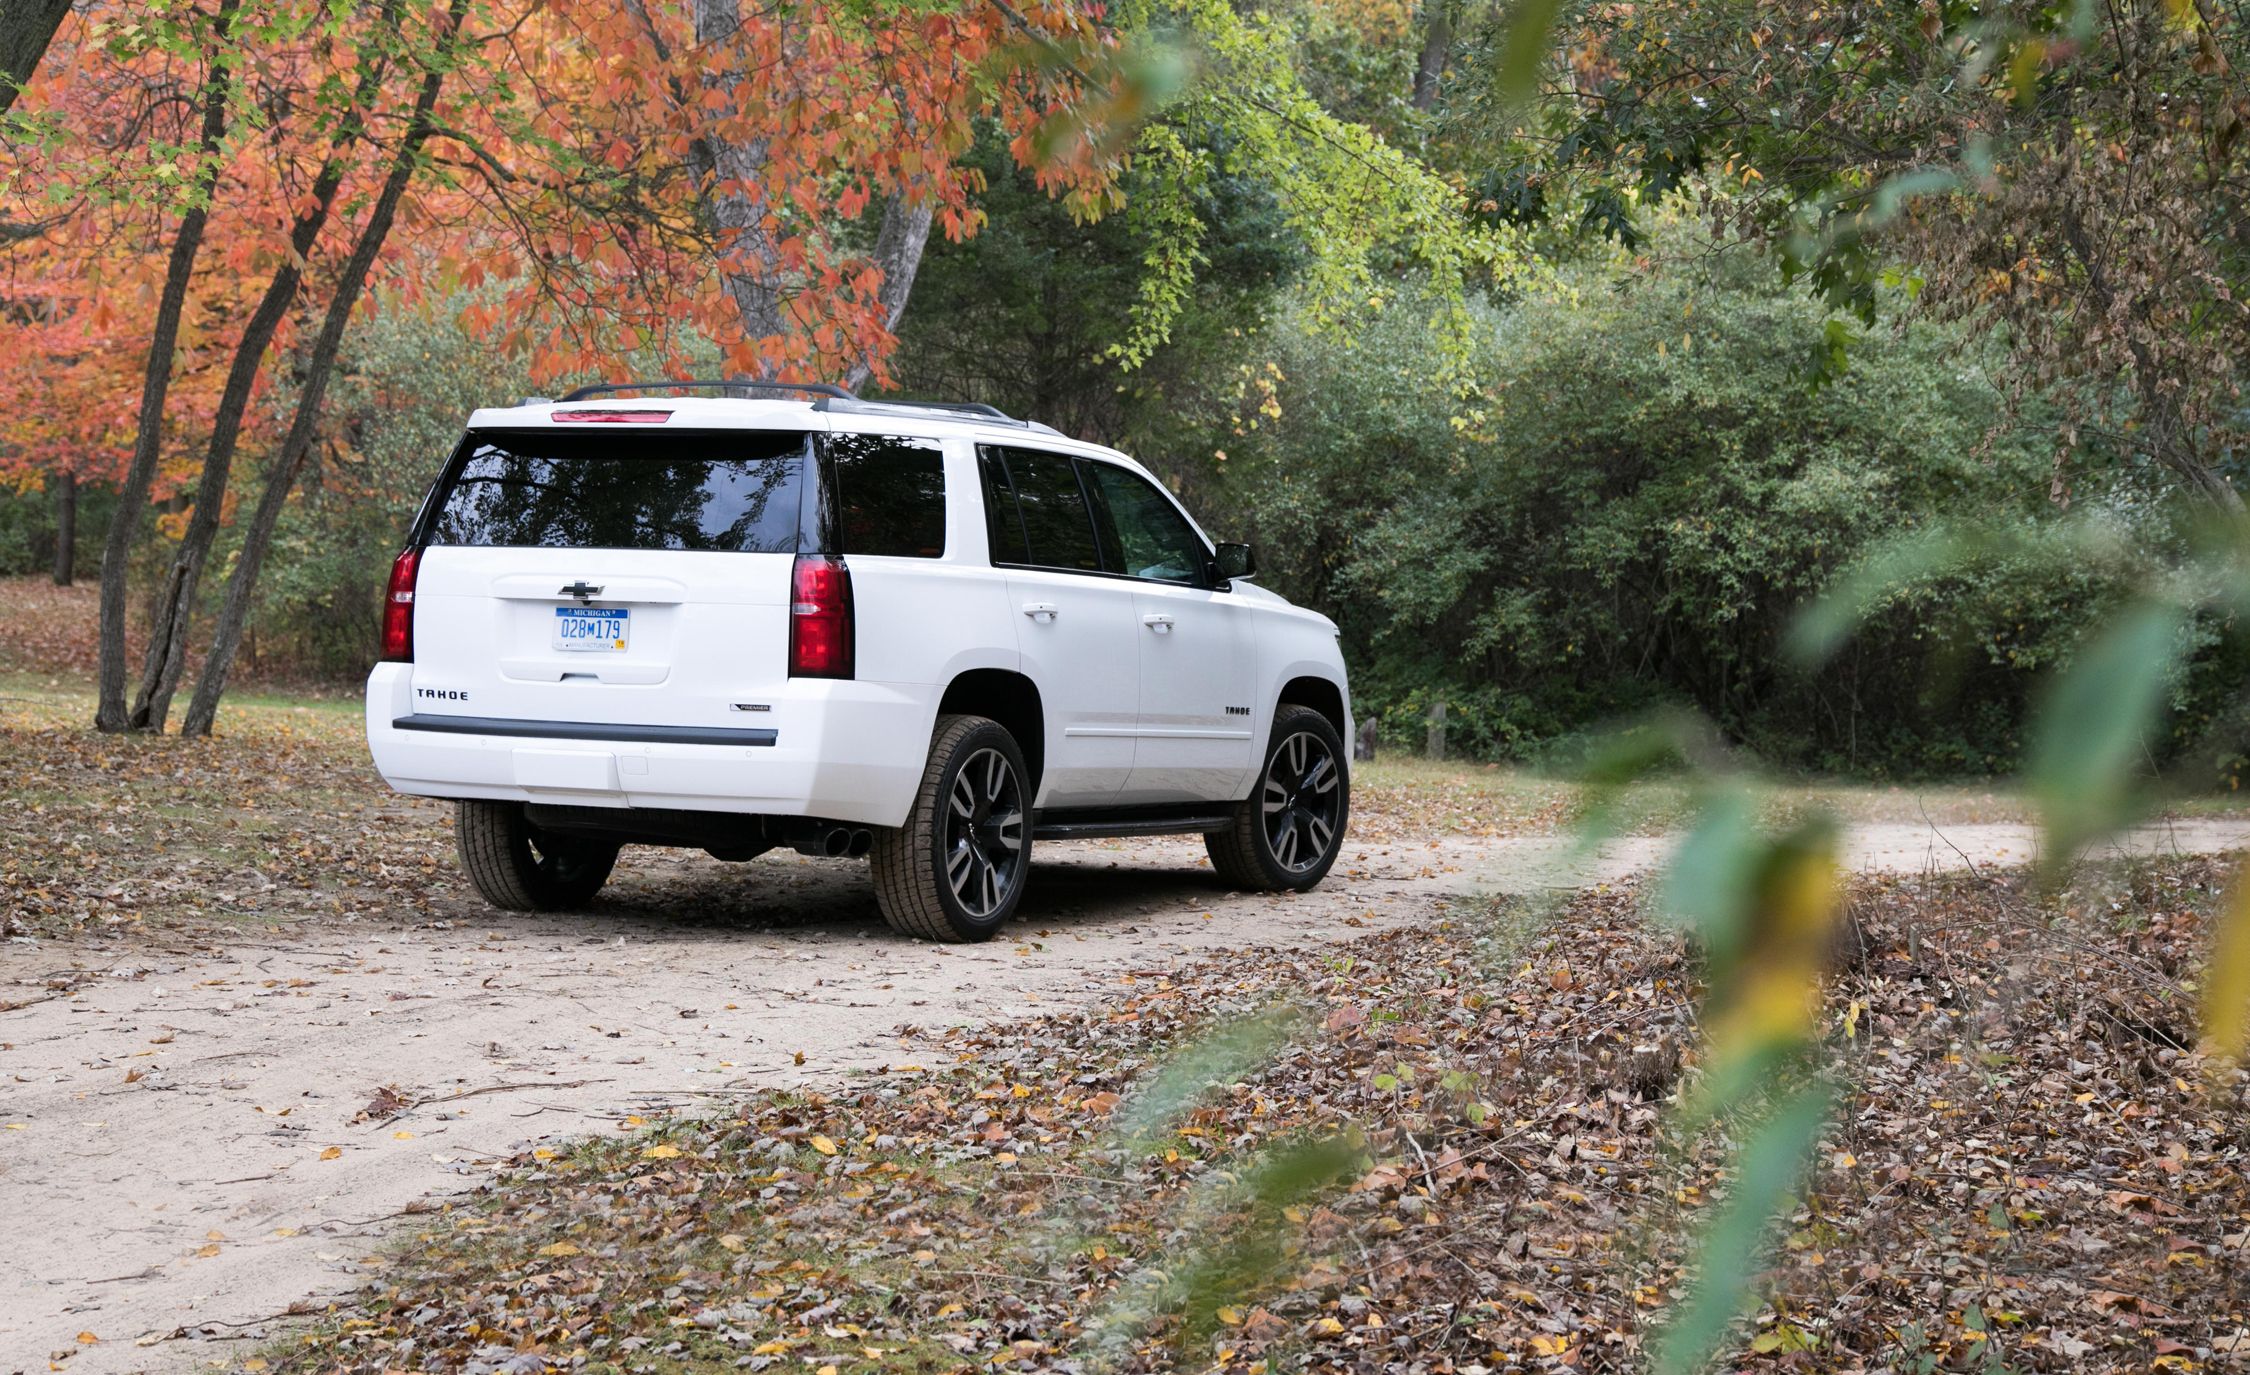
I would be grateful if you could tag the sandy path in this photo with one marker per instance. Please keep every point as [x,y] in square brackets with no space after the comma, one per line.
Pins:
[179,1158]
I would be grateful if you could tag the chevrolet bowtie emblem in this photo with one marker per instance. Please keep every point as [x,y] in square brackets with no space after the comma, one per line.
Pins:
[582,590]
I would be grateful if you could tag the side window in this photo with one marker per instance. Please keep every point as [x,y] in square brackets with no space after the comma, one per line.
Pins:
[1058,525]
[1152,538]
[890,495]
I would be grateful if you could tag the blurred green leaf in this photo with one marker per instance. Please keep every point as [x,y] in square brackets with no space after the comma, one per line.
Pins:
[2226,983]
[1767,1172]
[1524,49]
[1222,1057]
[1707,886]
[1821,629]
[2089,738]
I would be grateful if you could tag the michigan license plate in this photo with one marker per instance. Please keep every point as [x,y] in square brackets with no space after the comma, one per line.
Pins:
[594,629]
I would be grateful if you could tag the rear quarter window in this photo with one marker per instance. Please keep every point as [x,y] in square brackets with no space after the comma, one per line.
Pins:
[890,495]
[736,491]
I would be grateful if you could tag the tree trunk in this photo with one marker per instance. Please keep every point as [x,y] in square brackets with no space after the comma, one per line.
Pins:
[26,28]
[66,527]
[234,610]
[898,251]
[169,622]
[1437,51]
[132,496]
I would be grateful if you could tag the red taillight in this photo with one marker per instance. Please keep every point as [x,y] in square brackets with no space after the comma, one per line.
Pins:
[612,417]
[398,609]
[820,618]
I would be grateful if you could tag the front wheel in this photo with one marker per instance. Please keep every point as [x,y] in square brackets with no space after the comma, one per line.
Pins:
[956,869]
[521,868]
[1289,831]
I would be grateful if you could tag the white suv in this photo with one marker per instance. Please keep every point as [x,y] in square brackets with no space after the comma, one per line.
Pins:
[928,634]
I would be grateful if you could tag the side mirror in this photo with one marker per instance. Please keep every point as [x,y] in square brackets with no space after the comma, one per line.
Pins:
[1237,561]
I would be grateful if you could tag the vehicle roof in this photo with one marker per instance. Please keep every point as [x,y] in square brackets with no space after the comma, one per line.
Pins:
[765,413]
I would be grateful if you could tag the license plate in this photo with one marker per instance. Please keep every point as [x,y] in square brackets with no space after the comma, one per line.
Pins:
[591,629]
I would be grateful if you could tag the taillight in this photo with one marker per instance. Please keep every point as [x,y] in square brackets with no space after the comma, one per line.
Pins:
[398,609]
[820,618]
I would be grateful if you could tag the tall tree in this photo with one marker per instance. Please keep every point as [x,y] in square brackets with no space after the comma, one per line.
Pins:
[26,28]
[2071,175]
[281,476]
[215,98]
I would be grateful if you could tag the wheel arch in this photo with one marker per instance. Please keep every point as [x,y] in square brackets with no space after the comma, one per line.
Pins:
[1010,698]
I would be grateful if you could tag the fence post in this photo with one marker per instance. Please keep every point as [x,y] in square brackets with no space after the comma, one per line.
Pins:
[1436,748]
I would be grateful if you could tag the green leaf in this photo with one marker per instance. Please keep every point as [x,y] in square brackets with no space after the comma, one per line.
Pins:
[1524,49]
[1226,1055]
[1707,885]
[2090,734]
[1766,1175]
[1821,629]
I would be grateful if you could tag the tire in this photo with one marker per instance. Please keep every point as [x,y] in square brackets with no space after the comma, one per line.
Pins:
[520,868]
[1288,832]
[956,870]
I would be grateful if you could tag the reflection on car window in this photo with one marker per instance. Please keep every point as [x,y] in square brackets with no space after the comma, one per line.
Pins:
[735,492]
[1057,524]
[1152,539]
[890,495]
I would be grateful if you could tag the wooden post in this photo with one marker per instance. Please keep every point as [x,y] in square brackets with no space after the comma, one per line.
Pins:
[1437,732]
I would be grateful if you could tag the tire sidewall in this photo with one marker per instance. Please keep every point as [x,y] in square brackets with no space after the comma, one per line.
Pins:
[993,736]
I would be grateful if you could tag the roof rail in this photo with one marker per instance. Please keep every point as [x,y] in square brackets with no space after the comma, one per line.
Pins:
[977,410]
[825,389]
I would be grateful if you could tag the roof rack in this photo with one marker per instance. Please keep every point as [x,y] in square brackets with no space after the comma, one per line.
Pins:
[974,410]
[824,389]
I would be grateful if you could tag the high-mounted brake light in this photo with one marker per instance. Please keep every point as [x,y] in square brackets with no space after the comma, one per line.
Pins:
[612,417]
[398,609]
[820,618]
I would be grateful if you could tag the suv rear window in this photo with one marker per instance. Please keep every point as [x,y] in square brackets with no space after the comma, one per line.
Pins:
[735,491]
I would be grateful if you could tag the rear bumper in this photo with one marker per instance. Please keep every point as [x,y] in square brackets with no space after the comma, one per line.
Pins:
[846,751]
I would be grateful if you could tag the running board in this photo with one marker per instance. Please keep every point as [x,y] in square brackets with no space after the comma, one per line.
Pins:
[1085,826]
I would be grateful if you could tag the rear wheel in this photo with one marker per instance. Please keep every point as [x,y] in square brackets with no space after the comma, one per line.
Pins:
[955,871]
[1290,829]
[517,866]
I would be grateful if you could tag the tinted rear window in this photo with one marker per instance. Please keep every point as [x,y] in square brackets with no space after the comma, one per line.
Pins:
[723,491]
[1058,528]
[890,495]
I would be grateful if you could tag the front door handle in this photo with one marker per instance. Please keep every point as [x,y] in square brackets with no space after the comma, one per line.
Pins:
[1043,612]
[1158,622]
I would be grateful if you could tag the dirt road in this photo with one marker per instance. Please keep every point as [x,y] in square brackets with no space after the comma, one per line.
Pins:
[192,1145]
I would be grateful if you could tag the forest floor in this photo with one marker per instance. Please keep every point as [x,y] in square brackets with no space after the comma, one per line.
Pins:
[255,1031]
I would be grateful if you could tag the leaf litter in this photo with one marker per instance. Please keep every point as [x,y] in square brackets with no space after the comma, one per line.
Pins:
[1437,1150]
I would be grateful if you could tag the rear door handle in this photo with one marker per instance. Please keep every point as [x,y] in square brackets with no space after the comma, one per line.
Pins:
[1158,622]
[1042,611]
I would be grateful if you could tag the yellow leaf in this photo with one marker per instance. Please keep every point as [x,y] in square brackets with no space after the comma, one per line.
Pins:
[87,1339]
[1232,1317]
[208,1251]
[254,1364]
[1329,1326]
[2226,984]
[824,1145]
[635,1120]
[731,1242]
[1550,1346]
[402,1136]
[769,1348]
[332,1152]
[559,1250]
[827,1370]
[661,1152]
[542,1153]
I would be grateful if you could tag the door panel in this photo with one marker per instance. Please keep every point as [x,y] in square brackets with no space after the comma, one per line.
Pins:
[1197,662]
[1076,634]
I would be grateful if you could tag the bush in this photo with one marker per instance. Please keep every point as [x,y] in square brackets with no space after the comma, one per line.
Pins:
[1647,492]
